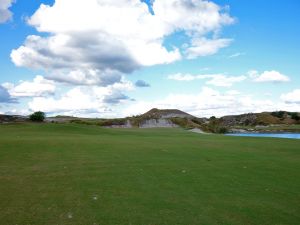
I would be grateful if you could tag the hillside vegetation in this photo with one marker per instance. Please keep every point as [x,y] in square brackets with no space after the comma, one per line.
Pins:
[279,121]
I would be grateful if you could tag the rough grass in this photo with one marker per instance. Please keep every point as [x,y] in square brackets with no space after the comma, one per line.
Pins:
[80,175]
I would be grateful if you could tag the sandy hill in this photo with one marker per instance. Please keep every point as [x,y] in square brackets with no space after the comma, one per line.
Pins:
[165,118]
[166,114]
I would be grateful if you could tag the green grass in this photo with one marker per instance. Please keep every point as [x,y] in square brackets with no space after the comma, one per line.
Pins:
[84,175]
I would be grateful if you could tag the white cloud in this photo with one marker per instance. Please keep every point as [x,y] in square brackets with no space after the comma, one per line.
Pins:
[37,88]
[90,41]
[87,77]
[268,76]
[235,55]
[5,13]
[225,81]
[219,80]
[206,103]
[253,74]
[84,101]
[5,97]
[205,47]
[291,97]
[233,92]
[183,77]
[75,100]
[142,84]
[14,111]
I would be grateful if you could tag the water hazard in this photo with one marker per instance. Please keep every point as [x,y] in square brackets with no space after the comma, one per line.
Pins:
[274,135]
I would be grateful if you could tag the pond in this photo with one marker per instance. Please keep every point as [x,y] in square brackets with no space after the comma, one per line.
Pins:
[274,135]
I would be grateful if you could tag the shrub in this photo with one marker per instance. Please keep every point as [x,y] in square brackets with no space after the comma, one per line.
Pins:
[37,116]
[222,130]
[113,122]
[278,114]
[247,122]
[83,122]
[182,122]
[197,121]
[295,116]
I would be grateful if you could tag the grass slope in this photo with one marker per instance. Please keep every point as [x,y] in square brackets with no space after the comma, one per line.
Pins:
[86,175]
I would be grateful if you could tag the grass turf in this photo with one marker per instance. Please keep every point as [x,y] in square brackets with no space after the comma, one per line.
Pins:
[87,175]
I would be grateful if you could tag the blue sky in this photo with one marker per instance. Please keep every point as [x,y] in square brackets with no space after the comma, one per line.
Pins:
[244,58]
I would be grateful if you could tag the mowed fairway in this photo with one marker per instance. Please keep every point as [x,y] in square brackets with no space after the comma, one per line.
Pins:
[53,174]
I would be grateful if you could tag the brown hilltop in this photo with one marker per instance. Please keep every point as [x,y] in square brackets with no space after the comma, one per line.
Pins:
[166,114]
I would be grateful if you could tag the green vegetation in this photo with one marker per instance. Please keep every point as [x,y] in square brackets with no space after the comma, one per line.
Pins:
[282,114]
[215,126]
[250,122]
[99,122]
[80,175]
[295,116]
[187,123]
[278,114]
[37,116]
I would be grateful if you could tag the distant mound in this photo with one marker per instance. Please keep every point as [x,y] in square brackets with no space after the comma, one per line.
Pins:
[166,118]
[61,119]
[166,114]
[13,118]
[278,121]
[264,118]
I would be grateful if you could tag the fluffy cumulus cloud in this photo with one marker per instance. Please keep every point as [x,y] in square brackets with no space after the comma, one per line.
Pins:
[115,37]
[209,102]
[84,101]
[223,80]
[268,76]
[37,88]
[291,97]
[87,77]
[74,101]
[5,13]
[141,83]
[219,80]
[5,96]
[205,47]
[206,103]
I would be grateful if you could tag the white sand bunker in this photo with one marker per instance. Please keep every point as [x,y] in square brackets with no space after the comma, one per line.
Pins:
[197,130]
